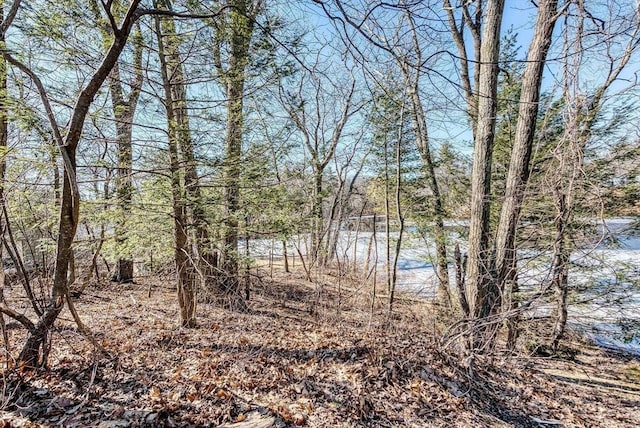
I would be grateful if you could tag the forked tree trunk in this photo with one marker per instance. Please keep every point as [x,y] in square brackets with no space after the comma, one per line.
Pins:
[186,150]
[33,352]
[181,130]
[481,290]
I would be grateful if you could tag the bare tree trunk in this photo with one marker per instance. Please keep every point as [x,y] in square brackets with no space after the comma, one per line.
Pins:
[355,262]
[207,262]
[124,109]
[479,256]
[461,264]
[183,257]
[559,266]
[424,148]
[123,113]
[387,220]
[33,352]
[519,164]
[513,320]
[3,166]
[285,255]
[242,14]
[317,217]
[185,269]
[15,254]
[334,222]
[399,214]
[473,23]
[481,289]
[375,267]
[34,346]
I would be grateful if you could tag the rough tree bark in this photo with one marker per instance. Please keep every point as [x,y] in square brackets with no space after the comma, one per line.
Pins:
[3,165]
[480,289]
[124,108]
[519,163]
[32,354]
[237,31]
[176,95]
[185,268]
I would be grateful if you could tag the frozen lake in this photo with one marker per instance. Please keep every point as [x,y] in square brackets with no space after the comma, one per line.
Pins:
[604,277]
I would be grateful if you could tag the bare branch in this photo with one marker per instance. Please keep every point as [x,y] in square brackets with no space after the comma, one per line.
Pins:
[21,318]
[13,11]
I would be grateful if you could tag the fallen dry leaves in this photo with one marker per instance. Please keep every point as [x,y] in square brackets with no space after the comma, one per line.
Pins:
[278,365]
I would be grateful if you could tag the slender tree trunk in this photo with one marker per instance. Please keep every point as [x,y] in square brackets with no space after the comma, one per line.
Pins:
[513,321]
[182,131]
[519,164]
[34,346]
[3,166]
[185,269]
[439,232]
[240,32]
[336,218]
[387,219]
[285,255]
[582,113]
[424,148]
[124,109]
[461,264]
[317,220]
[559,266]
[183,257]
[481,290]
[399,214]
[375,266]
[355,263]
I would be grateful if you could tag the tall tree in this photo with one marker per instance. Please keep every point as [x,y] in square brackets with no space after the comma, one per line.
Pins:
[520,159]
[67,141]
[179,141]
[321,123]
[3,165]
[124,108]
[621,40]
[479,287]
[231,53]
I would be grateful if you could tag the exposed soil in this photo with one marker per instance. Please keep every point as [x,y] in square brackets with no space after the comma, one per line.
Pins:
[295,359]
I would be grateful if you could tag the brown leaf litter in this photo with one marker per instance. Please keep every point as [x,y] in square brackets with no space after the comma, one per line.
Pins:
[305,355]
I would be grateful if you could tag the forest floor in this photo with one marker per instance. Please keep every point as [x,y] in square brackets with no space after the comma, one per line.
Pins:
[295,359]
